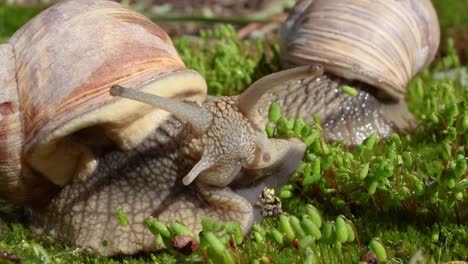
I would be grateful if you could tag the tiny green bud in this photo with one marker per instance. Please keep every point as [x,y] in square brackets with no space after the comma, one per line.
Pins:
[296,225]
[328,233]
[310,139]
[434,118]
[341,231]
[395,138]
[338,201]
[217,225]
[311,228]
[447,150]
[269,130]
[306,169]
[364,171]
[349,90]
[258,228]
[214,243]
[459,196]
[314,215]
[316,146]
[339,161]
[285,226]
[298,125]
[464,122]
[351,235]
[372,187]
[208,223]
[378,249]
[419,89]
[307,181]
[407,160]
[453,109]
[343,176]
[328,163]
[180,229]
[285,194]
[122,217]
[326,149]
[159,242]
[460,168]
[435,233]
[316,166]
[371,140]
[305,131]
[277,236]
[451,183]
[418,187]
[235,230]
[157,227]
[258,237]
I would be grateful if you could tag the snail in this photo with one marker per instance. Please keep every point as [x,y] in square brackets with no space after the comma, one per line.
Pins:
[99,114]
[379,45]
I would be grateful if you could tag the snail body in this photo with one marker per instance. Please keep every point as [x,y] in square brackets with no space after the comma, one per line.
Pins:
[76,153]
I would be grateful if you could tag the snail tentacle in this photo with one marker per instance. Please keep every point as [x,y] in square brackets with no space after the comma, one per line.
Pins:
[199,118]
[248,99]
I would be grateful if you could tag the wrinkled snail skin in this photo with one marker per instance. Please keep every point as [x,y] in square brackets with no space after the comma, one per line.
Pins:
[144,181]
[344,117]
[374,46]
[75,150]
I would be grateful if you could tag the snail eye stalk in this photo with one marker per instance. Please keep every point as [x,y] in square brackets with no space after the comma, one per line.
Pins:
[199,118]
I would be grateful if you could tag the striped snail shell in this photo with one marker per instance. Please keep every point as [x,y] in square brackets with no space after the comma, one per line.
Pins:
[379,42]
[56,74]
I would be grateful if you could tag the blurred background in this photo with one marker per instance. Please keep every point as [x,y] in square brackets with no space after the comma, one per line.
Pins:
[251,18]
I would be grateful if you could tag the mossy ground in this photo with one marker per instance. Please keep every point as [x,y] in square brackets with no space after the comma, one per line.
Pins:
[432,221]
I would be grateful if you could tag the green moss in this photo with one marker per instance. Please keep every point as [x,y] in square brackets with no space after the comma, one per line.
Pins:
[449,13]
[13,17]
[228,65]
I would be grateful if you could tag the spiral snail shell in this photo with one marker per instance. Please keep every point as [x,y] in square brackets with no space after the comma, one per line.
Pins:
[381,43]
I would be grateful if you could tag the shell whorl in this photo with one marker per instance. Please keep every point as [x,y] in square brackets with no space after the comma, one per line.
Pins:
[67,58]
[382,43]
[11,136]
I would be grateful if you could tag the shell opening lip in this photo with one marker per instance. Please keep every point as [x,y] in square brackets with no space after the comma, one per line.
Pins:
[199,118]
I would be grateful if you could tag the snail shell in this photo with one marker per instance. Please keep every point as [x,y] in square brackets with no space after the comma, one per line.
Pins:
[57,70]
[382,43]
